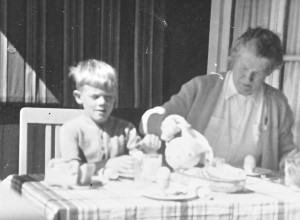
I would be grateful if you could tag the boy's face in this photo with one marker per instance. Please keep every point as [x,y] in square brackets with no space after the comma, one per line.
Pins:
[97,103]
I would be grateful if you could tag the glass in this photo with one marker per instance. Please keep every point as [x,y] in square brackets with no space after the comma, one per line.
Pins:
[146,168]
[292,173]
[86,172]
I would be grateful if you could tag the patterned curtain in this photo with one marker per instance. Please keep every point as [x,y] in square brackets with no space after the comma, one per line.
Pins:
[40,39]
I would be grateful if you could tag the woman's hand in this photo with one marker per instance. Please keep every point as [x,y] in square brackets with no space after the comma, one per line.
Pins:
[124,165]
[171,126]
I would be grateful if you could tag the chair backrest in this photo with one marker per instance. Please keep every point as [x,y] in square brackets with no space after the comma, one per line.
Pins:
[49,119]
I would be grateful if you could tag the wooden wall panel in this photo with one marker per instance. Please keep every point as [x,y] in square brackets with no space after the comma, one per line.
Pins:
[9,140]
[16,32]
[54,51]
[127,25]
[46,37]
[3,51]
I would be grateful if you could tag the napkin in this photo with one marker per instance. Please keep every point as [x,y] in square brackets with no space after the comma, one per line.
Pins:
[60,172]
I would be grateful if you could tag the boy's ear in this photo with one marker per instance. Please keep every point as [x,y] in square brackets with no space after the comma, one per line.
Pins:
[77,96]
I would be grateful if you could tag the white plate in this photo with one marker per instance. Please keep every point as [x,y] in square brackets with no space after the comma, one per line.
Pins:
[159,195]
[258,171]
[95,183]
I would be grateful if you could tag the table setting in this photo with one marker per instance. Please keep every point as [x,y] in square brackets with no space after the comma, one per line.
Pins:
[178,189]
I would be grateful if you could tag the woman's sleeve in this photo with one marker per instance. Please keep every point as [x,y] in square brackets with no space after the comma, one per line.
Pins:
[179,104]
[287,147]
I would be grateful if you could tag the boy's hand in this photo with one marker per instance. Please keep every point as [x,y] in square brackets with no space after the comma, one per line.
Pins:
[124,165]
[150,143]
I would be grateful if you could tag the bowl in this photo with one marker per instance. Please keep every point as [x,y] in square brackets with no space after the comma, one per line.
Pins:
[214,184]
[226,186]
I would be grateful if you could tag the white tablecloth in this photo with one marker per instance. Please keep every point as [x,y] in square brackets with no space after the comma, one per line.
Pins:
[121,199]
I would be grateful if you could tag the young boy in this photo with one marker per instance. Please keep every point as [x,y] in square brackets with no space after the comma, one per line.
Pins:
[97,137]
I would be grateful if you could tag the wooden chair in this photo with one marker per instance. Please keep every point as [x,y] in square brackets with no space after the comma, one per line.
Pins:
[44,121]
[39,129]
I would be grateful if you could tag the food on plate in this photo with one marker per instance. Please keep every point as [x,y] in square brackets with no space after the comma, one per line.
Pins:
[176,189]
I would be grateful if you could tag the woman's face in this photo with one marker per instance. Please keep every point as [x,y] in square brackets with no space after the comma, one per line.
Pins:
[249,72]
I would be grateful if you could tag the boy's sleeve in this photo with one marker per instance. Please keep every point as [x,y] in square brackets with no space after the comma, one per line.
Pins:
[133,138]
[68,142]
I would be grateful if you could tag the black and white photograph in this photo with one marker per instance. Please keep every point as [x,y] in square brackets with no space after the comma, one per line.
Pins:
[149,109]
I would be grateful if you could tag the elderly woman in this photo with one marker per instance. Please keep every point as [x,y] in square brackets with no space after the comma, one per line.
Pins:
[237,111]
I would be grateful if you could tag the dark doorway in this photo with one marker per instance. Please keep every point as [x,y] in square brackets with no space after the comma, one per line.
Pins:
[187,36]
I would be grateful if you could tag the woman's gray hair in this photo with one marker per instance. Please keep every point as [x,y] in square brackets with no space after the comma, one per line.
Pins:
[265,43]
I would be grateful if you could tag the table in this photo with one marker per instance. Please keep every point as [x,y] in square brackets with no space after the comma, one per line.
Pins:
[121,199]
[9,200]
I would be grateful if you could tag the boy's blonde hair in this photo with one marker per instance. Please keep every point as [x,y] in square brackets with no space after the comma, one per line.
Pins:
[94,73]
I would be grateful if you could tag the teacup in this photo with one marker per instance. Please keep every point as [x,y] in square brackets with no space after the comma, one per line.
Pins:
[86,171]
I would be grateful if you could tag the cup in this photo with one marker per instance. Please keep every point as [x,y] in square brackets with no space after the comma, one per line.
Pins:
[292,173]
[86,171]
[146,168]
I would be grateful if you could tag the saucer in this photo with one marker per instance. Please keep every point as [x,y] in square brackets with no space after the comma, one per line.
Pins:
[258,171]
[159,195]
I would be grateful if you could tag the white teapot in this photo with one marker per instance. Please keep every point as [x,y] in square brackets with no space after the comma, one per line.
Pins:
[185,151]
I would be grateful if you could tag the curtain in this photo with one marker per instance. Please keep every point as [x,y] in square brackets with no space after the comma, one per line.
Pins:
[219,35]
[148,53]
[291,82]
[41,39]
